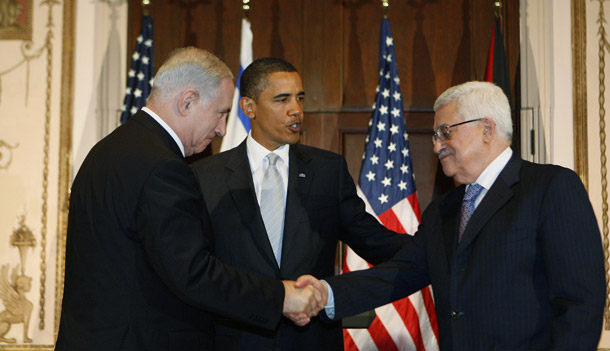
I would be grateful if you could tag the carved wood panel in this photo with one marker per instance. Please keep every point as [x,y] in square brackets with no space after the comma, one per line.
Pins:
[334,44]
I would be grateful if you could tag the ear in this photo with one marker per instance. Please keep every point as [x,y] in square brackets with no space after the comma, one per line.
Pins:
[248,106]
[186,100]
[489,129]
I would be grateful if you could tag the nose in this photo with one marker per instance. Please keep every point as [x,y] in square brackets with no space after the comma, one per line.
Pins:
[221,127]
[438,146]
[296,108]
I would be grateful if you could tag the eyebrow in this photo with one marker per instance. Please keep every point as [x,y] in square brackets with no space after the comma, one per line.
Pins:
[283,95]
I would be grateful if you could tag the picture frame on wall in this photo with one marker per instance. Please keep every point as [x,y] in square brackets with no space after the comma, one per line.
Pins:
[15,19]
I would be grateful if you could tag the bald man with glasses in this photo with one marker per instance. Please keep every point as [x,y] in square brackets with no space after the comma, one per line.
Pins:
[513,254]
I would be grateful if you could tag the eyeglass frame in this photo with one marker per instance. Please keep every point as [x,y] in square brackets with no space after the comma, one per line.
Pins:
[446,133]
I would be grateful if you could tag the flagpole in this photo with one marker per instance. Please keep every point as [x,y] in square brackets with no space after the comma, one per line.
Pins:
[145,4]
[498,9]
[386,6]
[246,6]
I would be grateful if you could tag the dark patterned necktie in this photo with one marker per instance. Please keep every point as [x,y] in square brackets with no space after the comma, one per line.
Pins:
[470,197]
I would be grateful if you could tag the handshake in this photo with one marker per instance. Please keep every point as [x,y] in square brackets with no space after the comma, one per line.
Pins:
[304,299]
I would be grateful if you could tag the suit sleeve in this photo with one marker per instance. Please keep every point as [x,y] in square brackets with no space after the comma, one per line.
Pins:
[361,231]
[573,258]
[402,275]
[170,226]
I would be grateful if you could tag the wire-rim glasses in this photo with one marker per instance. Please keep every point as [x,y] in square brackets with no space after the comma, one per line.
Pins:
[443,132]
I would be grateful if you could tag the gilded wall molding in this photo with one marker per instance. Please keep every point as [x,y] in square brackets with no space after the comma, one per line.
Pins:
[65,149]
[16,20]
[49,51]
[602,47]
[6,154]
[579,76]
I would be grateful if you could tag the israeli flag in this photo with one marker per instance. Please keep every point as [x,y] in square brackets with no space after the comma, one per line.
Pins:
[238,124]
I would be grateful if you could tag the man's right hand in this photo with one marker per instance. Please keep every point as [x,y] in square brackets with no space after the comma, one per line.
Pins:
[302,303]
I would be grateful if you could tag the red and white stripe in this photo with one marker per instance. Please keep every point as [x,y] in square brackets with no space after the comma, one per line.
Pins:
[407,324]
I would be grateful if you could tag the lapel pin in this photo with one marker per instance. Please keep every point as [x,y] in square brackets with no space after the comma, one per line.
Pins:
[302,175]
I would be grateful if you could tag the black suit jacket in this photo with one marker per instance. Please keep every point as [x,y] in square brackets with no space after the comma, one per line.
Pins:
[322,207]
[527,275]
[138,267]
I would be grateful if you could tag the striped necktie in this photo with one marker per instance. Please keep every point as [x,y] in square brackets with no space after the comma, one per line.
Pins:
[272,205]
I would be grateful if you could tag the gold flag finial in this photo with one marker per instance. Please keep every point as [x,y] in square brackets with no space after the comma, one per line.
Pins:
[498,8]
[386,5]
[145,4]
[246,6]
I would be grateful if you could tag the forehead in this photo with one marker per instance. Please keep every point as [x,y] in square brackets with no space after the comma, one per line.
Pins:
[224,94]
[446,114]
[283,82]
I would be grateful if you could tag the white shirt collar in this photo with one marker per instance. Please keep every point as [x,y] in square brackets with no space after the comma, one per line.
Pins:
[491,173]
[257,152]
[166,127]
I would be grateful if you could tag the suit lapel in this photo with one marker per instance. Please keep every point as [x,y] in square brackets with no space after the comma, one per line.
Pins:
[450,212]
[300,177]
[499,194]
[241,187]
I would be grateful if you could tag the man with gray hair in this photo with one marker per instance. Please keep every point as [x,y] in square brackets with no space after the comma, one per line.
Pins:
[513,254]
[139,271]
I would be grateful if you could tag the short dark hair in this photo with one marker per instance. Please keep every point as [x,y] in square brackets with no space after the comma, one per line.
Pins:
[254,81]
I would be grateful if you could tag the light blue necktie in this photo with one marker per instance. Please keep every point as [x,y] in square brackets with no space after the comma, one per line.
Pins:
[470,197]
[272,205]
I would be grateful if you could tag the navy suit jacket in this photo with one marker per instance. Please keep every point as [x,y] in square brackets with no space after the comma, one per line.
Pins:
[139,273]
[528,273]
[322,207]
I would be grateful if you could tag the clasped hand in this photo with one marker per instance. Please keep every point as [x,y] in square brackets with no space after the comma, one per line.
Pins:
[304,299]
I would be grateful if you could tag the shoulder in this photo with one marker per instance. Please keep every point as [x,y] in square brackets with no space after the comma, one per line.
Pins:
[306,152]
[213,161]
[544,174]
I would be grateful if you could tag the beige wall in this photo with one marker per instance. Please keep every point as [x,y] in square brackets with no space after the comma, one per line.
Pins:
[30,100]
[90,91]
[547,90]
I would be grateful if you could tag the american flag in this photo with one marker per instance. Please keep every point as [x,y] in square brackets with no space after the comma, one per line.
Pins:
[238,124]
[387,187]
[139,78]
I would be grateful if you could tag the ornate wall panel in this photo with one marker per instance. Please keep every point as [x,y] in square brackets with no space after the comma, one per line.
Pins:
[35,118]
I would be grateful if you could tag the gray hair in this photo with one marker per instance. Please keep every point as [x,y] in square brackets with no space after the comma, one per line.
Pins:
[477,100]
[186,68]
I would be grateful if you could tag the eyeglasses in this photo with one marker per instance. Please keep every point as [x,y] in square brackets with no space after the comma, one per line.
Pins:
[443,132]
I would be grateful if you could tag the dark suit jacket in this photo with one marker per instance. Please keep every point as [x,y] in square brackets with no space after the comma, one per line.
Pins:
[527,275]
[138,268]
[322,207]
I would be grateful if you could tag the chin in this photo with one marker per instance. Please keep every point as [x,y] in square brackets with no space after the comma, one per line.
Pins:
[293,141]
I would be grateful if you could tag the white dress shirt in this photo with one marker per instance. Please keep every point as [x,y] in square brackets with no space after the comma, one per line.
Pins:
[490,174]
[257,156]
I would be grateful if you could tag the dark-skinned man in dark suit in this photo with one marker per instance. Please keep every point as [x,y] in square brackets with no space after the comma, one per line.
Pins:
[321,207]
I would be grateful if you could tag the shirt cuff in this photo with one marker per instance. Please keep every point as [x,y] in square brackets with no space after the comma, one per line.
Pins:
[330,303]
